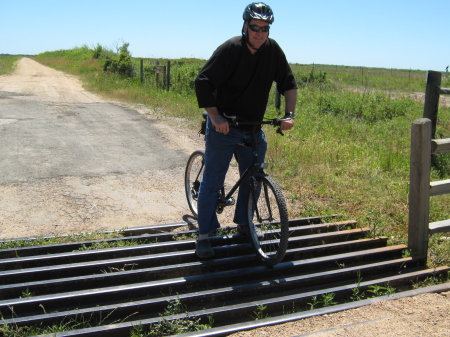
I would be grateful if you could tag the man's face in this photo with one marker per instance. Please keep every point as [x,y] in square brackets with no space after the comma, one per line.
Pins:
[257,38]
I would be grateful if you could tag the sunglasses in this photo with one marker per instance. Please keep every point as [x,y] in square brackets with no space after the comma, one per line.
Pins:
[256,28]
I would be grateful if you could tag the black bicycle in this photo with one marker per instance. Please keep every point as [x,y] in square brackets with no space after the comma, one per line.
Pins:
[266,207]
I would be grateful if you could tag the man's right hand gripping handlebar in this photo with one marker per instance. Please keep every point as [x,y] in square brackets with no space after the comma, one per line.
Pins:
[220,123]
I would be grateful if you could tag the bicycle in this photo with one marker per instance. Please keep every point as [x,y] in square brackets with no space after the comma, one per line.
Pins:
[266,207]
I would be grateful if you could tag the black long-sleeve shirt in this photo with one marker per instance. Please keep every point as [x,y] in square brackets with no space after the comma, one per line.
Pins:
[238,82]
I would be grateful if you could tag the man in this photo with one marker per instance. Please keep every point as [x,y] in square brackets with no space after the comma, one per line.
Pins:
[236,81]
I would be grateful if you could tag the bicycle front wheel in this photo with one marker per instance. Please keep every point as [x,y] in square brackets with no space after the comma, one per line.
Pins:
[268,220]
[193,175]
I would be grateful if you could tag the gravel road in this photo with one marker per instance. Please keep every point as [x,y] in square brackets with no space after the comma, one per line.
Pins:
[71,161]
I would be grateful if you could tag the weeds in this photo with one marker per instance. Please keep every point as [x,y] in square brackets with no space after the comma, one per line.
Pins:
[377,290]
[431,281]
[54,240]
[175,326]
[14,330]
[439,251]
[325,300]
[110,244]
[359,293]
[259,312]
[26,293]
[315,303]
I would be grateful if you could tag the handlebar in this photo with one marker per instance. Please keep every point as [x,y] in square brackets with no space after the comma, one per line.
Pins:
[275,122]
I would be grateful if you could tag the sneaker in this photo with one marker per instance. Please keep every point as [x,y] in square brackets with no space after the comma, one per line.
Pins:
[203,249]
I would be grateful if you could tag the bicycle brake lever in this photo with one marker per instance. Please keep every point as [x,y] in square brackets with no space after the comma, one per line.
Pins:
[279,131]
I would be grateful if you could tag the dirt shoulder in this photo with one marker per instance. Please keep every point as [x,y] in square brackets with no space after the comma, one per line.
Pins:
[421,315]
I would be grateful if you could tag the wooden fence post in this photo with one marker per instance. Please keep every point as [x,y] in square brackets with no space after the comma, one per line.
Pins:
[168,76]
[164,75]
[430,109]
[157,73]
[419,188]
[142,70]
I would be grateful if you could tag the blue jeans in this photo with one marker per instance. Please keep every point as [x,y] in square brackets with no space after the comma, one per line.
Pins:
[219,150]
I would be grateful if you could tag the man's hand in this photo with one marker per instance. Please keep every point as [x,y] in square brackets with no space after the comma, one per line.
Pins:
[287,124]
[220,124]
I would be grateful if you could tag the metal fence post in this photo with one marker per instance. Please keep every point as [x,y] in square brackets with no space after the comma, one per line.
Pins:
[419,188]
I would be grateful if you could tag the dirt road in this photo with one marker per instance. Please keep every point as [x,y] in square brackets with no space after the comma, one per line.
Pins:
[64,181]
[72,162]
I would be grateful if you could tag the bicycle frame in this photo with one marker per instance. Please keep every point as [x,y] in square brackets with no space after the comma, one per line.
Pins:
[227,200]
[253,168]
[268,226]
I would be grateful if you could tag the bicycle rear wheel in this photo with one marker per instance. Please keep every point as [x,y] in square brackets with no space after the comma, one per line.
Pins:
[193,175]
[268,220]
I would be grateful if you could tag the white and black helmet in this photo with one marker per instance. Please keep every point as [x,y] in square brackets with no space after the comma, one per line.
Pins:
[258,11]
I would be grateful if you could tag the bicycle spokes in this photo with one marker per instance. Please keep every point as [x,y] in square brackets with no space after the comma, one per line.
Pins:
[268,222]
[192,179]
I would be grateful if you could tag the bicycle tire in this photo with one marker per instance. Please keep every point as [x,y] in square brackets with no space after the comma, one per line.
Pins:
[193,175]
[268,220]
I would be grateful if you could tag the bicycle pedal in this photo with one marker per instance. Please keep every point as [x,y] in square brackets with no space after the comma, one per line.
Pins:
[230,202]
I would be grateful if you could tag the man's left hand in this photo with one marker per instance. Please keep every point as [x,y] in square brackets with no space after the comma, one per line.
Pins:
[287,124]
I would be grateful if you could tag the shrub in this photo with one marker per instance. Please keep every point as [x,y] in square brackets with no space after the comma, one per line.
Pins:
[97,52]
[313,77]
[120,64]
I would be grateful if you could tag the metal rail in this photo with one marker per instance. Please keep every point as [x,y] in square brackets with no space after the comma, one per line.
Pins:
[115,289]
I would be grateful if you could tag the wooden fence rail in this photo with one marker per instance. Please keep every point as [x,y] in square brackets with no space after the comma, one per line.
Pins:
[423,147]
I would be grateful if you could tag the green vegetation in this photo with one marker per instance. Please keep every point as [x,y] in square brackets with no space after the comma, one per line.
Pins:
[7,63]
[53,240]
[387,80]
[164,327]
[349,151]
[13,330]
[121,65]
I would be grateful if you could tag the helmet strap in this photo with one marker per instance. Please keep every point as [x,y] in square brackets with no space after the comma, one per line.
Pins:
[244,33]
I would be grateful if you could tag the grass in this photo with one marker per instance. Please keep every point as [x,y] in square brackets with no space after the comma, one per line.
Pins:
[339,162]
[12,330]
[172,327]
[7,63]
[349,151]
[53,240]
[390,80]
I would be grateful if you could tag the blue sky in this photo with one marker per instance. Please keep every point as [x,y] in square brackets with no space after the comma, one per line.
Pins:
[407,34]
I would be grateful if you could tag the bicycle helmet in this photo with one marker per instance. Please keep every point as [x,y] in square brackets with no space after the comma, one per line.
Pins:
[258,11]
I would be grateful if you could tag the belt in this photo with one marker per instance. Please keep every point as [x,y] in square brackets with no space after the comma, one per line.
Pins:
[246,127]
[242,127]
